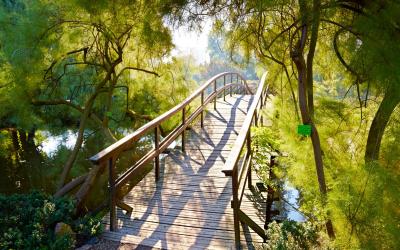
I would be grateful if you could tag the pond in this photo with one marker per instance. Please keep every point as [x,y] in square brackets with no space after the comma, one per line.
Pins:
[290,203]
[34,161]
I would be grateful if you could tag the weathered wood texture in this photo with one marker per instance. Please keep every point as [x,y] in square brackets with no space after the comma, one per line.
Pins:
[190,206]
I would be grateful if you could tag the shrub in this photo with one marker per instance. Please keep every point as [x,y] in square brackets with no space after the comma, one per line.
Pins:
[294,235]
[27,221]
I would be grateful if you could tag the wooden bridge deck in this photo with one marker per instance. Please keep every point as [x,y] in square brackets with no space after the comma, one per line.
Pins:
[190,206]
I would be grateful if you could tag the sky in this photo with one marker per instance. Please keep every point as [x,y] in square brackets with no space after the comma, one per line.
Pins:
[192,42]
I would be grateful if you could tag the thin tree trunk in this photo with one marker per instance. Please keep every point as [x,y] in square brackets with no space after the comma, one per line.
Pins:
[84,190]
[310,56]
[71,185]
[305,116]
[78,144]
[304,79]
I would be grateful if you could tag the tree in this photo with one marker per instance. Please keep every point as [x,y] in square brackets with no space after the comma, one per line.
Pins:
[78,55]
[286,36]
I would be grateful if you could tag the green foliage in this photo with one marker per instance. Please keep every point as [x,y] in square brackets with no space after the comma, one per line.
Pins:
[87,227]
[264,143]
[362,199]
[28,221]
[222,60]
[290,235]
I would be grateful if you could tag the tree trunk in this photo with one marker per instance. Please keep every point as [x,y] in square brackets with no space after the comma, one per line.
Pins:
[84,190]
[389,102]
[304,75]
[79,141]
[71,185]
[310,56]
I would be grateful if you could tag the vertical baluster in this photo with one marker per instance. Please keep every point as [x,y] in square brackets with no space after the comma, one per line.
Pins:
[112,191]
[201,114]
[224,86]
[215,92]
[157,158]
[230,88]
[183,124]
[237,81]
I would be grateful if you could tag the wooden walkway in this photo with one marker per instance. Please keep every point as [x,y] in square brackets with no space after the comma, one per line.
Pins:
[190,206]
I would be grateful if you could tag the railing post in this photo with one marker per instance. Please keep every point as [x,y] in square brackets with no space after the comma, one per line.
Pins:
[248,140]
[215,92]
[224,86]
[201,114]
[265,97]
[183,132]
[157,159]
[270,195]
[112,201]
[235,206]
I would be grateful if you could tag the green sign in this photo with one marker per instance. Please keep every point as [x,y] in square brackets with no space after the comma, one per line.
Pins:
[304,129]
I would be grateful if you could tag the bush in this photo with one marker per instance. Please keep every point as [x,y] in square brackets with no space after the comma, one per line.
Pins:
[294,235]
[87,227]
[27,221]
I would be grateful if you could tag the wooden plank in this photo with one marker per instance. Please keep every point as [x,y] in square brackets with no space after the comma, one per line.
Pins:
[154,228]
[219,227]
[170,241]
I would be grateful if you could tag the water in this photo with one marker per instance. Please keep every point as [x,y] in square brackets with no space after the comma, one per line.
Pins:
[290,200]
[50,145]
[35,161]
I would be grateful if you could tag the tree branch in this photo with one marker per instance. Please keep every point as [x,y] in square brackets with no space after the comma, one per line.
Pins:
[137,69]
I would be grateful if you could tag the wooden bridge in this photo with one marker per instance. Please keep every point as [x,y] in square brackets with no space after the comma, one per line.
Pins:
[200,194]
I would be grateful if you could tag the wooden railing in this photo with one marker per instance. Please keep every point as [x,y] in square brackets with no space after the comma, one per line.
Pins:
[238,165]
[231,82]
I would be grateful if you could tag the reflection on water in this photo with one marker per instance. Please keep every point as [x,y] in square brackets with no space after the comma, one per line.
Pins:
[51,142]
[288,203]
[31,161]
[290,198]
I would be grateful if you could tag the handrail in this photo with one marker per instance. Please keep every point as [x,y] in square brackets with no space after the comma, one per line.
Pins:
[234,156]
[239,168]
[124,178]
[96,159]
[110,155]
